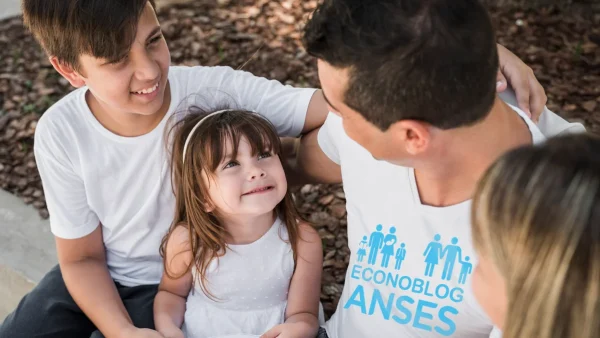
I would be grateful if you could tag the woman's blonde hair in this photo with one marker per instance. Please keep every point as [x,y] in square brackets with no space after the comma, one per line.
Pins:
[536,216]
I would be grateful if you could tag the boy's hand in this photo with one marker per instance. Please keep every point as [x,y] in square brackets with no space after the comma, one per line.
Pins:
[173,332]
[291,330]
[531,96]
[142,333]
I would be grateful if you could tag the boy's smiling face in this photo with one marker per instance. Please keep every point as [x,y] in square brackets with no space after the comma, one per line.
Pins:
[135,84]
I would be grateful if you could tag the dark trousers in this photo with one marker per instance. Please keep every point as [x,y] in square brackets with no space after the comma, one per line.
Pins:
[49,311]
[322,333]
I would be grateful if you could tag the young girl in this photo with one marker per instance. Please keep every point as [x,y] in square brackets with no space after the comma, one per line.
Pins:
[238,260]
[536,227]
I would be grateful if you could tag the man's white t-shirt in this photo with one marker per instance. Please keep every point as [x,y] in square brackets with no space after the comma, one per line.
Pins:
[411,264]
[92,176]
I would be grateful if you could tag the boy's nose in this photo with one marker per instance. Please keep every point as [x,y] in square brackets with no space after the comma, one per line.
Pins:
[147,69]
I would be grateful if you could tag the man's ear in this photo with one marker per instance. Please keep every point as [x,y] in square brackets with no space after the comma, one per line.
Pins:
[74,78]
[414,135]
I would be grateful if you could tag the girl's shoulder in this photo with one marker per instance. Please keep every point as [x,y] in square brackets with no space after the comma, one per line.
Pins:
[309,238]
[178,246]
[306,229]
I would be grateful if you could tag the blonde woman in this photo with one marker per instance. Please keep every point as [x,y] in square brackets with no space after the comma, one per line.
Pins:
[536,227]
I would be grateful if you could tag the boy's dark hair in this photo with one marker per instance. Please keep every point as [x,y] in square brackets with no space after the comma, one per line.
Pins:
[67,29]
[430,60]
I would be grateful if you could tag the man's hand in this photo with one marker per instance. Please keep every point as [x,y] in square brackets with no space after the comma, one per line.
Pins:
[291,330]
[531,96]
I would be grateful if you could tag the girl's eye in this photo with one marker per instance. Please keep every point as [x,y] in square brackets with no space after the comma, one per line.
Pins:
[230,164]
[264,155]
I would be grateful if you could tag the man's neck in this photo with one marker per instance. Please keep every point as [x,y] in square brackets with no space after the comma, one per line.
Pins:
[451,176]
[128,124]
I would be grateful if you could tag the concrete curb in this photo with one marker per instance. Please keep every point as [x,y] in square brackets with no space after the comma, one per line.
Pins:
[27,250]
[9,8]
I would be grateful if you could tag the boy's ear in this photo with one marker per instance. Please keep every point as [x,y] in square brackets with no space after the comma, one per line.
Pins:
[74,78]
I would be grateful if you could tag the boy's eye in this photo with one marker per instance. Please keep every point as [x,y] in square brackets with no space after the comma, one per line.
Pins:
[118,61]
[230,164]
[155,39]
[264,155]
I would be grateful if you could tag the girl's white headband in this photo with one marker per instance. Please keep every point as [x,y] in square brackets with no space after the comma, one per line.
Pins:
[187,140]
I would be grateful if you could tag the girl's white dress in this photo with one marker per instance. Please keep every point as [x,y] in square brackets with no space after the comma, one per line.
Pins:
[249,285]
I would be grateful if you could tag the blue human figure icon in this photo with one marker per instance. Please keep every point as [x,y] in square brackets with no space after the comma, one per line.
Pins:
[375,244]
[400,256]
[465,270]
[388,250]
[432,254]
[362,251]
[453,253]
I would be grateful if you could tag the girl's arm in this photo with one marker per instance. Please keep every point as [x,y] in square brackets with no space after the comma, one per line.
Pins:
[169,304]
[302,310]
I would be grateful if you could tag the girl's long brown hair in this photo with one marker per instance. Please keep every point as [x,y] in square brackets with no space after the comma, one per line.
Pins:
[204,153]
[536,216]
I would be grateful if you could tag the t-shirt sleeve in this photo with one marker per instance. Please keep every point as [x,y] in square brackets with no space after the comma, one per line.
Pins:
[496,333]
[285,106]
[330,137]
[70,215]
[550,124]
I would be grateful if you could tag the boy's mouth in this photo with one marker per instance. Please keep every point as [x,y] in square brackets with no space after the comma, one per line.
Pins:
[259,190]
[147,91]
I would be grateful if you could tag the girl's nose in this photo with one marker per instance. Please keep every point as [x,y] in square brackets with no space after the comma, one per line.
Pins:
[256,172]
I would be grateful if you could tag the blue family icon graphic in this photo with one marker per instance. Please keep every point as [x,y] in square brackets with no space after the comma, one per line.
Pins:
[465,270]
[428,302]
[400,256]
[453,252]
[382,244]
[433,254]
[362,249]
[388,249]
[375,244]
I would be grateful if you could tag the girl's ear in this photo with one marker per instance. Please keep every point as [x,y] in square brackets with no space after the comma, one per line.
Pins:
[209,207]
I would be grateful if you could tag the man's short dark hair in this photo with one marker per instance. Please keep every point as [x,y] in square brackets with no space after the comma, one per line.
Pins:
[67,29]
[430,60]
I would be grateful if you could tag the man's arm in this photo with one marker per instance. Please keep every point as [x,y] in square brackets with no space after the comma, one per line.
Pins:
[83,266]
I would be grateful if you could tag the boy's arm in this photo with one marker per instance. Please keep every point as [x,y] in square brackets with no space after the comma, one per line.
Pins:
[302,311]
[78,233]
[169,304]
[316,113]
[83,266]
[317,154]
[306,163]
[293,111]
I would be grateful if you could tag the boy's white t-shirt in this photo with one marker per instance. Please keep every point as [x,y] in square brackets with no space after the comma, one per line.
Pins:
[92,176]
[410,265]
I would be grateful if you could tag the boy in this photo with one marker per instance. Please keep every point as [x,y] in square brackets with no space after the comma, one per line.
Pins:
[101,155]
[410,134]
